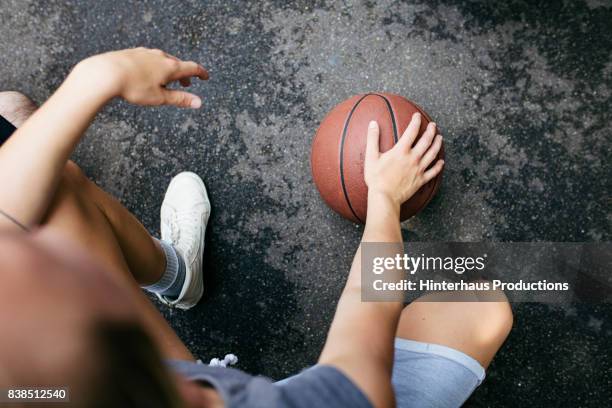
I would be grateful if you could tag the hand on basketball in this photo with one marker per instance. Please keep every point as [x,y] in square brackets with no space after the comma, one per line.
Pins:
[403,170]
[140,76]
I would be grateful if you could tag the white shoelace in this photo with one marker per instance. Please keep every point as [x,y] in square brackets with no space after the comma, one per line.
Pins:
[230,359]
[184,227]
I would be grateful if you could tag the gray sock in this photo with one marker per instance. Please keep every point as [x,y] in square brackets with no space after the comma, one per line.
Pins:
[173,278]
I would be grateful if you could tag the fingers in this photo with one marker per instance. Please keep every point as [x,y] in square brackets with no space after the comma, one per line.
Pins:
[187,69]
[372,142]
[181,99]
[434,171]
[425,141]
[180,70]
[170,56]
[411,132]
[432,153]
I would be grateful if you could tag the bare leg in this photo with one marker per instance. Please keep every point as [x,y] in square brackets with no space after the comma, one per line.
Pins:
[144,258]
[74,214]
[478,328]
[86,214]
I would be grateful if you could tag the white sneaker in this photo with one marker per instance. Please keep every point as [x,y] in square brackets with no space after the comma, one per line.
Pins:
[184,215]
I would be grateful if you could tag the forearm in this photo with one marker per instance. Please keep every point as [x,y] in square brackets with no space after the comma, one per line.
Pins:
[360,340]
[32,160]
[382,226]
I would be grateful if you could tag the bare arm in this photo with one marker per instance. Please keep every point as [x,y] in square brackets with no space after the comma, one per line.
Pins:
[360,340]
[32,160]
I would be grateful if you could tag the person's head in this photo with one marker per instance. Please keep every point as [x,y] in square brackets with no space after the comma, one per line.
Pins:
[66,323]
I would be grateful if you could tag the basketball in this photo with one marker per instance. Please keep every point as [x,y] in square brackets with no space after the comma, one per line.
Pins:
[338,152]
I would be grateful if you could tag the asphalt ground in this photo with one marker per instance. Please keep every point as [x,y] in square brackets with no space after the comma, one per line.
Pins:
[521,91]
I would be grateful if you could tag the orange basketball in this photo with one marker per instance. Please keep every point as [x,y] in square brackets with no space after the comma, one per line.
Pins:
[339,145]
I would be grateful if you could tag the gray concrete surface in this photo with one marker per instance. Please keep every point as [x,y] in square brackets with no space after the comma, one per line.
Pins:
[522,93]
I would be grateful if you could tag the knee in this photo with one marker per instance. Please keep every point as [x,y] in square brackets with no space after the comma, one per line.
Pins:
[73,172]
[474,322]
[73,181]
[493,318]
[16,107]
[70,196]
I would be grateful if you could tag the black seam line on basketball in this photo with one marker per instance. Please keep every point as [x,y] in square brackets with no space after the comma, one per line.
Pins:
[437,180]
[395,135]
[344,130]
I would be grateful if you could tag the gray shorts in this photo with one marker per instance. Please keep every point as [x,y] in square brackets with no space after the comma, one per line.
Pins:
[424,375]
[429,375]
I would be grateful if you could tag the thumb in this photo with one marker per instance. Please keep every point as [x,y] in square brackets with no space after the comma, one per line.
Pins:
[181,99]
[372,146]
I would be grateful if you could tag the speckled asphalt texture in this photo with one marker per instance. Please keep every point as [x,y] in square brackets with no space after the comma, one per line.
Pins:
[521,92]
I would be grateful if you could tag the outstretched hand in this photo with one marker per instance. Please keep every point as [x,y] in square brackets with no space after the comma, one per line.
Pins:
[140,76]
[404,169]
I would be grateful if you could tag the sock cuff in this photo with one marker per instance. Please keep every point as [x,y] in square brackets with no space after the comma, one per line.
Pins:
[171,272]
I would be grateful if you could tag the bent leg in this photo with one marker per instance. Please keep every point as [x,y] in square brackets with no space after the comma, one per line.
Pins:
[442,348]
[477,328]
[84,213]
[74,214]
[143,255]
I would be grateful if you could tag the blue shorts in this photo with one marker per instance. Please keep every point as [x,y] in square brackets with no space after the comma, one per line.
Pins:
[429,375]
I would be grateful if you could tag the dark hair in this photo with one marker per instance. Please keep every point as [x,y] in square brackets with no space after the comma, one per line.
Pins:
[130,372]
